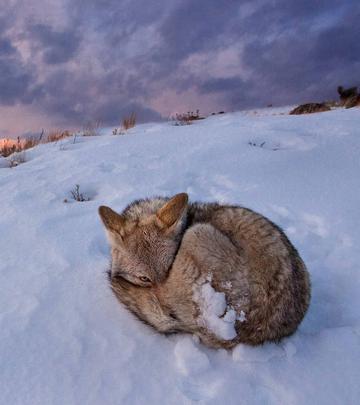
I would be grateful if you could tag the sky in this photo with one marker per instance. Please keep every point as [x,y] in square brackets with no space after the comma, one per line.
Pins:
[66,63]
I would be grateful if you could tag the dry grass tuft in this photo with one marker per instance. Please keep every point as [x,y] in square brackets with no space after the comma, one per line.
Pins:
[129,122]
[11,146]
[57,135]
[7,149]
[92,128]
[29,143]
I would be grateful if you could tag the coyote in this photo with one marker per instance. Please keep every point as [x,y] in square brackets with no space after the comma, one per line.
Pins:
[221,272]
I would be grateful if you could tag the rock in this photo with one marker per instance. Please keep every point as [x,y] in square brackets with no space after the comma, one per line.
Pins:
[310,108]
[349,97]
[352,102]
[347,93]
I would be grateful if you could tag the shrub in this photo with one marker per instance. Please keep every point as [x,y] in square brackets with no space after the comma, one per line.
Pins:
[77,196]
[187,118]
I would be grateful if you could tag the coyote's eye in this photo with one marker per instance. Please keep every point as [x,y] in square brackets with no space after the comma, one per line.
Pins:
[173,316]
[145,279]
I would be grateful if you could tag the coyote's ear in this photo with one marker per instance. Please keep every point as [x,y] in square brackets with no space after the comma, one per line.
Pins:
[114,223]
[173,210]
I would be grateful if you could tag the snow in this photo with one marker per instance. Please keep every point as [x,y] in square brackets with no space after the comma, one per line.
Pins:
[215,315]
[242,316]
[64,339]
[3,162]
[189,359]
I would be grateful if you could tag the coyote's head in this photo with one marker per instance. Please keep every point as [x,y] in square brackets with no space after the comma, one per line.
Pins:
[147,305]
[144,239]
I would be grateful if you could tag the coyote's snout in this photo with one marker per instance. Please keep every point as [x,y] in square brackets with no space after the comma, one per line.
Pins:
[224,273]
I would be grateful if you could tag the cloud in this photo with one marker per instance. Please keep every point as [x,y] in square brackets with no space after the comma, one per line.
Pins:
[74,61]
[74,98]
[6,47]
[56,46]
[15,77]
[292,64]
[197,26]
[305,65]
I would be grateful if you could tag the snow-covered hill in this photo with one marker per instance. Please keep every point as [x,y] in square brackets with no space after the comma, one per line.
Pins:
[64,339]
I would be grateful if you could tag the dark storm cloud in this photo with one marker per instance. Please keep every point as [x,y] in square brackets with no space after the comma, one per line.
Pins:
[113,111]
[15,77]
[307,63]
[102,59]
[6,47]
[57,46]
[220,85]
[68,98]
[236,91]
[116,16]
[302,54]
[197,25]
[14,82]
[340,43]
[7,18]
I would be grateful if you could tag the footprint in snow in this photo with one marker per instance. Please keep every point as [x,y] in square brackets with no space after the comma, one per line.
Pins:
[194,366]
[107,167]
[189,359]
[259,354]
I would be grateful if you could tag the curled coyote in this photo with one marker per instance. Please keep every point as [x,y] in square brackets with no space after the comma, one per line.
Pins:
[223,273]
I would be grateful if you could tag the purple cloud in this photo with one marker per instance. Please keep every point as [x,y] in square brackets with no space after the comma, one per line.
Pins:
[74,61]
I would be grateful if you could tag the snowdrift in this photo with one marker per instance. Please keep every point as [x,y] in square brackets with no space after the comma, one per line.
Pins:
[64,339]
